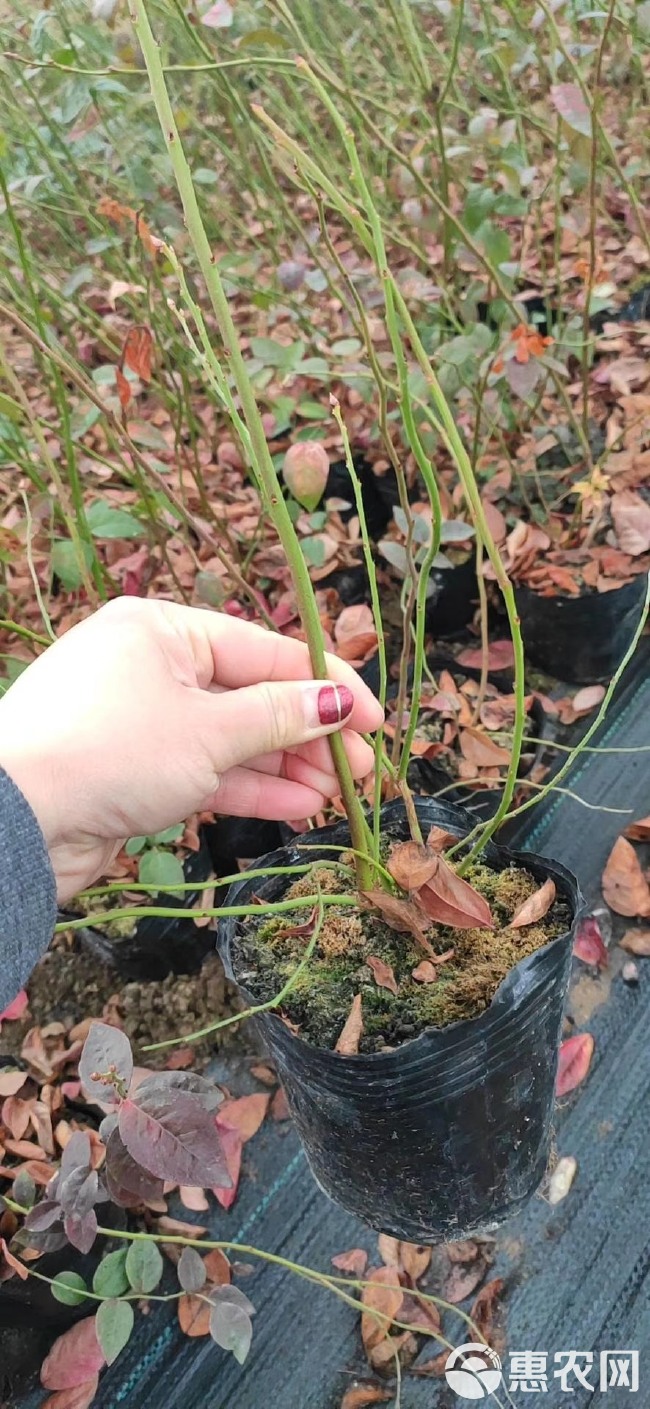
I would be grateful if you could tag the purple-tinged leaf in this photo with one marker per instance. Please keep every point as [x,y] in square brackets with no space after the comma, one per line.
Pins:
[47,1212]
[191,1270]
[108,1125]
[78,1193]
[167,1083]
[128,1183]
[76,1155]
[174,1138]
[231,1328]
[522,377]
[81,1230]
[569,101]
[229,1293]
[106,1049]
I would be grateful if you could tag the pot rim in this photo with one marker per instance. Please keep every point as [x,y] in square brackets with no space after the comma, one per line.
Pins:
[454,1035]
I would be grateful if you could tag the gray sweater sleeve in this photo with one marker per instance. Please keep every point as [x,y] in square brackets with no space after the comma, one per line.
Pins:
[27,891]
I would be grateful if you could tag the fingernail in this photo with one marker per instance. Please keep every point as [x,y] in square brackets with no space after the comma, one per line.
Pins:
[333,704]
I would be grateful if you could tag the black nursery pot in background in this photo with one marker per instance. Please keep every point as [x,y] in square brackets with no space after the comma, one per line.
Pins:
[450,1132]
[580,639]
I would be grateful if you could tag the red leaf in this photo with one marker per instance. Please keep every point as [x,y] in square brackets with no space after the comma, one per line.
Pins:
[639,831]
[173,1136]
[244,1115]
[123,388]
[225,1191]
[501,656]
[574,1063]
[15,1009]
[625,887]
[81,1397]
[568,100]
[589,945]
[75,1358]
[138,348]
[382,973]
[354,1261]
[306,468]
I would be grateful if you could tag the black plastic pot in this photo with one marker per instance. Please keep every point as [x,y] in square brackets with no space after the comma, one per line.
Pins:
[453,602]
[580,639]
[450,1132]
[159,945]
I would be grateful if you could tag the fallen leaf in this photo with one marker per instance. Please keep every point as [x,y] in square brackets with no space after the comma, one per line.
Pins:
[638,831]
[123,388]
[402,915]
[383,1295]
[348,1042]
[382,973]
[137,352]
[176,1226]
[574,1062]
[425,972]
[279,1109]
[355,633]
[217,1267]
[631,519]
[382,1357]
[636,942]
[501,656]
[585,700]
[15,1009]
[16,1115]
[81,1397]
[12,1261]
[354,1261]
[562,1178]
[438,839]
[193,1198]
[535,907]
[463,1279]
[231,1144]
[74,1358]
[589,945]
[625,887]
[482,1311]
[11,1082]
[358,1396]
[245,1114]
[305,469]
[480,749]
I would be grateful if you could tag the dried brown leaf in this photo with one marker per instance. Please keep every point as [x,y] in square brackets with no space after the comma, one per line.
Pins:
[382,973]
[535,907]
[426,972]
[381,1298]
[638,831]
[354,1261]
[636,942]
[402,915]
[574,1062]
[359,1396]
[450,900]
[348,1042]
[411,865]
[625,887]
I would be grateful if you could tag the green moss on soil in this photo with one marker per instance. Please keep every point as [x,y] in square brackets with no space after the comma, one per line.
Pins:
[321,998]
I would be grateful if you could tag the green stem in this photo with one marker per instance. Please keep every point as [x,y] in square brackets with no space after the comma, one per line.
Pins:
[265,469]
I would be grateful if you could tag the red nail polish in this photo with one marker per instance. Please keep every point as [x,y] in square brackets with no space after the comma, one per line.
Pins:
[335,703]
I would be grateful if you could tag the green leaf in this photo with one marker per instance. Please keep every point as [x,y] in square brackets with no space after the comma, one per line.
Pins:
[345,347]
[264,35]
[144,1266]
[160,868]
[494,242]
[113,1324]
[106,522]
[204,177]
[170,834]
[65,562]
[69,1288]
[10,408]
[642,18]
[313,551]
[569,101]
[110,1279]
[135,845]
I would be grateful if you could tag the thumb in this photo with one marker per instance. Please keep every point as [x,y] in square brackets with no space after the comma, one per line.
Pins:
[258,719]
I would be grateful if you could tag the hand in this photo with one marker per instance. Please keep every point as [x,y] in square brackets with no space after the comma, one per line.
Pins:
[148,711]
